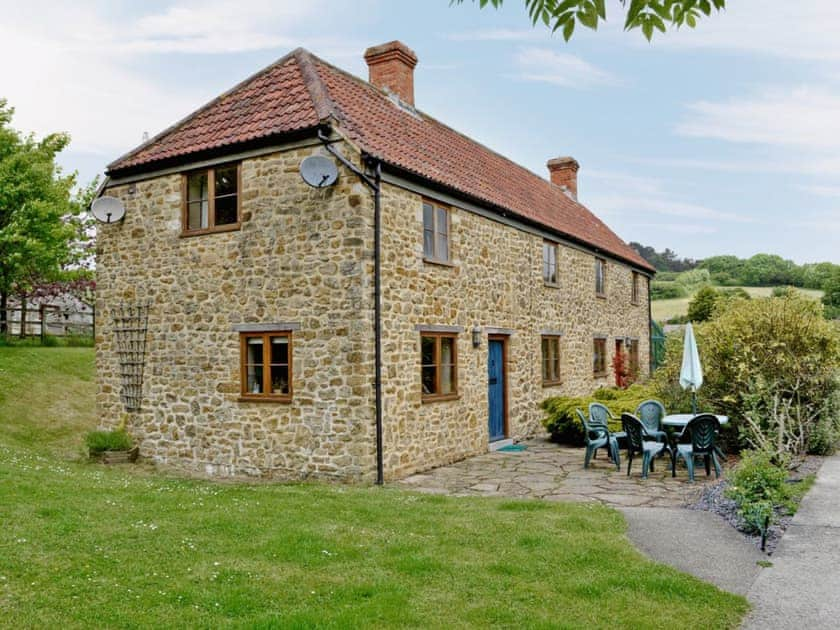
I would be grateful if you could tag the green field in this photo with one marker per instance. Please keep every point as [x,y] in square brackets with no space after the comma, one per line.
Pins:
[665,309]
[83,545]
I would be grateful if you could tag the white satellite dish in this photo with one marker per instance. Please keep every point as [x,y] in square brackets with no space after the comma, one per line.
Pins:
[107,210]
[318,171]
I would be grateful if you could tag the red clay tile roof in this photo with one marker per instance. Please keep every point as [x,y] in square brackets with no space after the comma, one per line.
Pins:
[300,91]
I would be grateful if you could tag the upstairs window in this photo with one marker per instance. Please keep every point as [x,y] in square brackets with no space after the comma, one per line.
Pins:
[435,232]
[550,360]
[600,277]
[266,366]
[634,292]
[599,356]
[438,366]
[211,200]
[550,263]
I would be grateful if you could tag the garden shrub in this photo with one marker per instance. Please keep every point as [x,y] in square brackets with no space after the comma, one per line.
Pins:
[702,305]
[757,486]
[563,424]
[694,279]
[116,440]
[757,354]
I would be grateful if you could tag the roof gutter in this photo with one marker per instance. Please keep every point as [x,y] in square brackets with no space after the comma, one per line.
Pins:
[374,182]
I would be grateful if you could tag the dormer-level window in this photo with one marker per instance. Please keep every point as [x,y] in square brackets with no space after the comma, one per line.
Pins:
[600,277]
[435,232]
[634,294]
[211,200]
[550,263]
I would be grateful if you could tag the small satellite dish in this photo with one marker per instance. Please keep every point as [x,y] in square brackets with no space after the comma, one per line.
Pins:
[318,171]
[107,210]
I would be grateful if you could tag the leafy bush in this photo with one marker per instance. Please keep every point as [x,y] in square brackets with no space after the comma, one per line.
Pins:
[703,304]
[667,276]
[116,440]
[779,348]
[757,485]
[694,279]
[563,423]
[660,290]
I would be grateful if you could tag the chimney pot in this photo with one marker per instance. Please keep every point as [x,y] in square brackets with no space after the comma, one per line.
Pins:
[563,173]
[391,67]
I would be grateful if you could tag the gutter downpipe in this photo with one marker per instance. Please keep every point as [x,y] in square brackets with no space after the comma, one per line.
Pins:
[375,185]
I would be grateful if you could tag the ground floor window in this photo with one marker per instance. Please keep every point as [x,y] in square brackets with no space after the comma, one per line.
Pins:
[633,352]
[550,360]
[438,371]
[266,359]
[599,356]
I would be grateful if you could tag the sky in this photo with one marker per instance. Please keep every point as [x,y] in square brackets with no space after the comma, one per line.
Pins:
[720,140]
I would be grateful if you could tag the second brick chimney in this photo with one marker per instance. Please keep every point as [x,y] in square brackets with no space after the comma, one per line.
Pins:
[563,172]
[391,66]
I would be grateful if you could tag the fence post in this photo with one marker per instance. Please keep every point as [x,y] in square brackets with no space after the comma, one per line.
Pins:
[42,312]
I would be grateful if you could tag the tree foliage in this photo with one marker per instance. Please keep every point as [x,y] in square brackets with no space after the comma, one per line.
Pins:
[37,211]
[666,260]
[646,15]
[703,304]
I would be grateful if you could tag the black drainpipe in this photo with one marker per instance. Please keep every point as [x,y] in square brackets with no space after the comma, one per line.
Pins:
[375,184]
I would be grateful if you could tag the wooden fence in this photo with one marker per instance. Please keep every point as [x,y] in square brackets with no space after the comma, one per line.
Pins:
[48,320]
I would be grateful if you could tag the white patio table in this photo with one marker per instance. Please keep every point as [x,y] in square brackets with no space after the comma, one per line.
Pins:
[679,420]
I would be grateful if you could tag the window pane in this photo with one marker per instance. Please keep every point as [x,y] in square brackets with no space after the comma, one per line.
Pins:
[255,379]
[197,187]
[447,379]
[280,350]
[429,375]
[197,212]
[428,217]
[442,247]
[225,210]
[427,350]
[447,352]
[428,244]
[279,379]
[442,225]
[225,181]
[254,365]
[255,351]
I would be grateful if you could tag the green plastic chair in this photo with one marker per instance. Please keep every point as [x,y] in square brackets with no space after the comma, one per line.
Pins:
[651,413]
[600,414]
[701,431]
[638,445]
[598,436]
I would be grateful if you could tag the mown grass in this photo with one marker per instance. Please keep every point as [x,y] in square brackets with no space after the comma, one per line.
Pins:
[84,545]
[662,310]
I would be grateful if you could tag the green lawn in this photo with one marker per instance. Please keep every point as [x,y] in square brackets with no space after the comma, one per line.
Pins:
[666,309]
[83,545]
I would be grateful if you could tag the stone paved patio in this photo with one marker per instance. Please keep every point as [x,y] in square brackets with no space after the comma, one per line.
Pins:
[555,473]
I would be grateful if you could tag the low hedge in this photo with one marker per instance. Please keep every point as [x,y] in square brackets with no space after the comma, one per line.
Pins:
[101,441]
[667,290]
[563,423]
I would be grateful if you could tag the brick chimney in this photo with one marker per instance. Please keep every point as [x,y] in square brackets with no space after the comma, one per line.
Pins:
[391,66]
[563,172]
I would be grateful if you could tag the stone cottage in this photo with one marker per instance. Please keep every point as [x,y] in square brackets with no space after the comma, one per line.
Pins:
[412,313]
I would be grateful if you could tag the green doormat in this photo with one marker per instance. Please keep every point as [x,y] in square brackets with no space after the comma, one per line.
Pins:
[513,447]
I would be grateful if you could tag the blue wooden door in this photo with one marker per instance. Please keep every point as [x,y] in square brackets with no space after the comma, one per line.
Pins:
[496,389]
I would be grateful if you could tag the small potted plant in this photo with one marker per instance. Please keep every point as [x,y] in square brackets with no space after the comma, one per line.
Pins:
[111,447]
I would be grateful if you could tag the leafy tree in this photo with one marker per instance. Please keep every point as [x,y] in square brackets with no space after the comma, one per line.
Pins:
[663,261]
[35,202]
[831,297]
[645,15]
[770,269]
[702,305]
[731,265]
[816,275]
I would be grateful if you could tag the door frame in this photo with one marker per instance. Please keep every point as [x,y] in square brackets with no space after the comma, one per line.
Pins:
[505,339]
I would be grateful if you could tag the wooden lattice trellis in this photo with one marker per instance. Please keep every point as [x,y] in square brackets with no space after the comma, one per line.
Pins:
[130,325]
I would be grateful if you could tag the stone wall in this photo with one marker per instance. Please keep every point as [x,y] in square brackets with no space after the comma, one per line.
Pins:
[302,255]
[495,281]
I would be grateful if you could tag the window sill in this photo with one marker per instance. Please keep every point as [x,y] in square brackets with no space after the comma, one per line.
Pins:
[258,398]
[551,285]
[440,263]
[433,399]
[552,383]
[603,296]
[223,228]
[599,375]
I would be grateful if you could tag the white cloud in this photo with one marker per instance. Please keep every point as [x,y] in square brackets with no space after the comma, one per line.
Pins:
[803,116]
[548,66]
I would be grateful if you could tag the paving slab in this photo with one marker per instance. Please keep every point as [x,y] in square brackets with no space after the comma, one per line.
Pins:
[802,587]
[699,543]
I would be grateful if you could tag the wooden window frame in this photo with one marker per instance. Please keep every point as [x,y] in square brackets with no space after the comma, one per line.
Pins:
[635,288]
[447,262]
[556,248]
[635,370]
[437,336]
[596,373]
[558,379]
[211,201]
[244,394]
[603,289]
